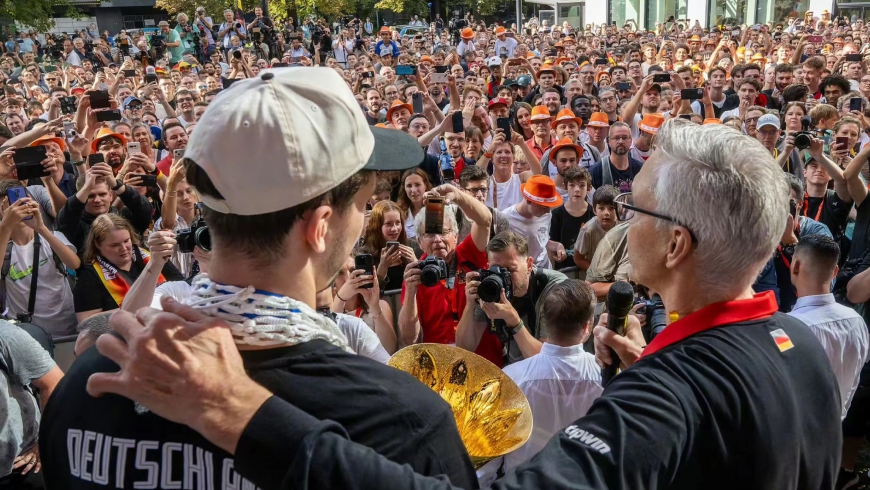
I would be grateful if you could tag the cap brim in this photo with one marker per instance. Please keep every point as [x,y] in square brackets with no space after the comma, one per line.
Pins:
[394,150]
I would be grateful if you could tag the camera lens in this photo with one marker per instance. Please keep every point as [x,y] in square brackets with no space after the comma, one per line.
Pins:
[429,275]
[802,141]
[490,289]
[203,238]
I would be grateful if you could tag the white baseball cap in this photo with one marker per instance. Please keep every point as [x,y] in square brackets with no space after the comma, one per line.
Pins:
[767,120]
[287,136]
[493,61]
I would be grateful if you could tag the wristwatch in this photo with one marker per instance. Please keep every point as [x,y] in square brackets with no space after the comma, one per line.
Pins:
[118,184]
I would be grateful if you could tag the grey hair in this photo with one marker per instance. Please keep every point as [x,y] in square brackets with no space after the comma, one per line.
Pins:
[726,188]
[846,98]
[180,16]
[449,220]
[94,326]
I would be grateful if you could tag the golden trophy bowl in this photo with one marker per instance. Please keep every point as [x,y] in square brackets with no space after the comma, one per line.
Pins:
[492,414]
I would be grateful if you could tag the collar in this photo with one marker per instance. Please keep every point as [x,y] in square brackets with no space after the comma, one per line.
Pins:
[762,305]
[559,351]
[814,301]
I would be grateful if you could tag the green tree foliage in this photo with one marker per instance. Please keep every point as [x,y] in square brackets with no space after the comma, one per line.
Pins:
[36,14]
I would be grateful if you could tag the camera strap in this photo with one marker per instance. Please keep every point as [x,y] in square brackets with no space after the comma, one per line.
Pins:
[31,302]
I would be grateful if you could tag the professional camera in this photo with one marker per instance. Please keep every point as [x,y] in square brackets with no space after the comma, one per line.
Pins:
[656,317]
[187,28]
[237,25]
[804,138]
[196,235]
[492,281]
[432,270]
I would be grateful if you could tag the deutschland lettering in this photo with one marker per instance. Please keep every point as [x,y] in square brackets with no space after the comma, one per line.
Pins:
[126,463]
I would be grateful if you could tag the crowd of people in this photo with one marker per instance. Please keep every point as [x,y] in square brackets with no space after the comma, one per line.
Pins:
[350,164]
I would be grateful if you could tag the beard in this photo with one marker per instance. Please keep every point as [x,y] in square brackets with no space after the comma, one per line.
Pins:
[620,150]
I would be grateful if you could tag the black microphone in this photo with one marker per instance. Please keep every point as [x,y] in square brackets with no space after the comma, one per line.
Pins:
[619,301]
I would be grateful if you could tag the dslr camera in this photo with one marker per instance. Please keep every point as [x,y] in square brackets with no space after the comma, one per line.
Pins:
[804,138]
[432,270]
[196,235]
[492,281]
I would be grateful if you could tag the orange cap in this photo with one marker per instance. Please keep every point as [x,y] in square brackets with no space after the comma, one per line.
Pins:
[546,67]
[425,58]
[566,115]
[540,112]
[466,33]
[384,30]
[566,143]
[531,54]
[599,119]
[695,38]
[712,120]
[540,189]
[45,139]
[103,134]
[499,30]
[398,104]
[601,74]
[651,123]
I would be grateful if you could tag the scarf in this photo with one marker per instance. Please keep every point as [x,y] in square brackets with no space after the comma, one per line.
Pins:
[116,281]
[258,317]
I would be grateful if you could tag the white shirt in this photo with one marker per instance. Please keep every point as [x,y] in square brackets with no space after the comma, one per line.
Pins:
[509,44]
[361,338]
[341,54]
[536,230]
[560,383]
[465,47]
[506,193]
[842,333]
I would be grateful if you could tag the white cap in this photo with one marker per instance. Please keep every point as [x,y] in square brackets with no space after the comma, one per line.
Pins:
[493,61]
[287,136]
[767,120]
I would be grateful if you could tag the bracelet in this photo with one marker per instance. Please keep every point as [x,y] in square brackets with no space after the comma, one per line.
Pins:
[487,154]
[519,327]
[170,194]
[339,297]
[379,315]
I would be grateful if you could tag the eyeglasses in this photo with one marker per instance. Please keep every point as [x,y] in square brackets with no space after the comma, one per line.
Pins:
[183,100]
[442,235]
[477,190]
[625,210]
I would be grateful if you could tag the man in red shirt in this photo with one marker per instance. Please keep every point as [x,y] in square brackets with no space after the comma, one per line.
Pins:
[174,138]
[431,313]
[542,140]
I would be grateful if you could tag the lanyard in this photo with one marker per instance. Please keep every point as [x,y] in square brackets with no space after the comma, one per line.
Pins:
[784,258]
[807,206]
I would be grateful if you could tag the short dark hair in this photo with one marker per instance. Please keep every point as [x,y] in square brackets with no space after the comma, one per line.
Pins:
[577,174]
[784,68]
[567,309]
[751,66]
[261,237]
[168,127]
[509,239]
[815,62]
[820,250]
[795,92]
[472,173]
[605,196]
[751,81]
[837,81]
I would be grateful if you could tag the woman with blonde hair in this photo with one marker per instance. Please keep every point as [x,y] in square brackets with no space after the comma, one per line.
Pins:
[386,225]
[112,261]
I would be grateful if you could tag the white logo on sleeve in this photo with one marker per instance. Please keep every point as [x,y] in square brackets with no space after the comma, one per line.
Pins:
[574,432]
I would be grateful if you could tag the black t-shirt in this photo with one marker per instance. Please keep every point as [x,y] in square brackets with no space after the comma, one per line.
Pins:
[91,294]
[564,229]
[622,179]
[382,407]
[834,213]
[862,230]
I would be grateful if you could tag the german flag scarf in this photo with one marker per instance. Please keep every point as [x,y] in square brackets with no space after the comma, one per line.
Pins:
[118,282]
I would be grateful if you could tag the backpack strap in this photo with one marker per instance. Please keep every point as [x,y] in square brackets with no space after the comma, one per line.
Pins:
[606,173]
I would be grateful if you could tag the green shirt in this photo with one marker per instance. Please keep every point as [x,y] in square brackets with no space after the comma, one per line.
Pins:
[175,51]
[186,39]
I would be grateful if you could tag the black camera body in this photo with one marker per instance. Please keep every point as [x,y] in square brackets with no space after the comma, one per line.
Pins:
[804,138]
[196,235]
[492,282]
[432,270]
[656,317]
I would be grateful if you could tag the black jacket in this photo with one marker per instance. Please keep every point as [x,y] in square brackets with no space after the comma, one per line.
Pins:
[75,223]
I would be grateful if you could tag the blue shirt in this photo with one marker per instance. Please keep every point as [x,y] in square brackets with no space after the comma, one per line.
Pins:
[380,45]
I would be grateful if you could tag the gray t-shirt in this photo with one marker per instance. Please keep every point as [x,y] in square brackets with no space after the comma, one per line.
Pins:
[22,360]
[40,195]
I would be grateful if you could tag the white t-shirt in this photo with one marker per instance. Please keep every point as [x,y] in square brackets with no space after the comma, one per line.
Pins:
[465,47]
[507,194]
[54,310]
[536,230]
[361,338]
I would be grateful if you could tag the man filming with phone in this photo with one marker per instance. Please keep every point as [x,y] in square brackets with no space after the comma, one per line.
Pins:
[511,315]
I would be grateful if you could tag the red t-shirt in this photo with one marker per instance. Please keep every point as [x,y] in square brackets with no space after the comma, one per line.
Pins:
[165,164]
[439,308]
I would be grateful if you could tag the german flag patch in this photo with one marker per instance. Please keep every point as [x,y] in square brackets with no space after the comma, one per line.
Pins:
[782,340]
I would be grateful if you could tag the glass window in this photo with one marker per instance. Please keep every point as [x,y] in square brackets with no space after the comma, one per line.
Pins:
[662,10]
[571,13]
[777,10]
[722,12]
[624,10]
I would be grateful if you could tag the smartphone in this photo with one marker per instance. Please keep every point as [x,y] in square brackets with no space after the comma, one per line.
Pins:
[368,74]
[856,104]
[438,78]
[16,193]
[406,70]
[392,245]
[417,102]
[50,68]
[133,148]
[103,116]
[792,207]
[442,69]
[279,65]
[127,59]
[434,215]
[853,57]
[69,128]
[458,124]
[150,78]
[129,73]
[95,158]
[601,61]
[735,33]
[177,154]
[367,263]
[227,82]
[691,93]
[662,78]
[504,123]
[99,99]
[815,39]
[622,86]
[686,116]
[29,154]
[842,140]
[295,59]
[147,180]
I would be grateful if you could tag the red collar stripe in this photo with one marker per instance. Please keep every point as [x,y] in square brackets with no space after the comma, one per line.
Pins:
[762,305]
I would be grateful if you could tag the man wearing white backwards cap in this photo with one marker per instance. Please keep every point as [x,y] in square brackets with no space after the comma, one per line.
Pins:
[285,172]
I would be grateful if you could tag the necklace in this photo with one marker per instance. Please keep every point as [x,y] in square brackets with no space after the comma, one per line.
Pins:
[262,318]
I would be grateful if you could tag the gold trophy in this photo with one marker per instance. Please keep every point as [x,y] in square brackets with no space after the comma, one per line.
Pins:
[492,414]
